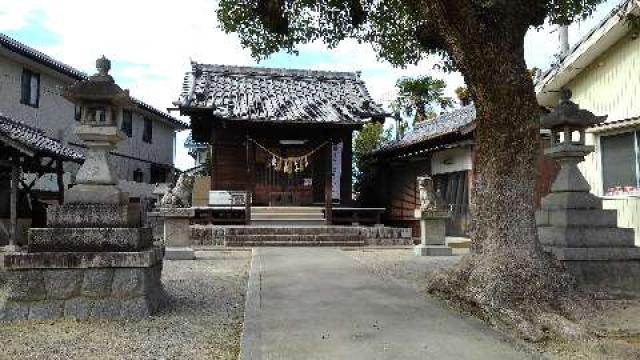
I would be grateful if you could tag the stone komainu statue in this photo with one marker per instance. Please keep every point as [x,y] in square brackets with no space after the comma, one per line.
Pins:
[429,198]
[180,195]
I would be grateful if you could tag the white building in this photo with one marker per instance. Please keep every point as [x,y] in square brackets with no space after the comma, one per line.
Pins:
[31,85]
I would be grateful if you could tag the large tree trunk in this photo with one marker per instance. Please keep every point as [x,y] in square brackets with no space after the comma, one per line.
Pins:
[507,275]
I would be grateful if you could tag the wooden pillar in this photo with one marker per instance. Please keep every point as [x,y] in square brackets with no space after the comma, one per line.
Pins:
[60,181]
[250,181]
[13,221]
[328,198]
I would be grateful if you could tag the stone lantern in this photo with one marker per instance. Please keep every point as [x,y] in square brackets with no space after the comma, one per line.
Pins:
[92,261]
[572,225]
[101,103]
[567,123]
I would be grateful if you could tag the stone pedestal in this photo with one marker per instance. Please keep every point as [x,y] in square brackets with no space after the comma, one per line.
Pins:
[88,264]
[177,233]
[432,233]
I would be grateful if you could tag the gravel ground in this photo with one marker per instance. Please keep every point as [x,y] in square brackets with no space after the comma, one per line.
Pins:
[402,265]
[201,320]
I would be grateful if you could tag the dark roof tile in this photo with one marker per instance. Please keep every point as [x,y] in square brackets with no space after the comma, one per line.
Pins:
[444,124]
[35,140]
[278,95]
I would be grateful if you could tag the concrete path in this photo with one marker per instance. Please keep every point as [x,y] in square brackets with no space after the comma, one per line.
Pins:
[318,303]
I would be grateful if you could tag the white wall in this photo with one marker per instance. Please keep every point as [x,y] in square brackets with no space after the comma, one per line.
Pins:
[451,160]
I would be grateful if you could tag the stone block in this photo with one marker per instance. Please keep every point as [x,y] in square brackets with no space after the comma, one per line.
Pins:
[620,276]
[129,282]
[63,284]
[89,239]
[78,308]
[577,217]
[177,232]
[571,200]
[179,253]
[586,236]
[13,311]
[431,250]
[83,260]
[433,231]
[87,216]
[105,309]
[95,194]
[97,283]
[595,254]
[26,285]
[136,308]
[46,310]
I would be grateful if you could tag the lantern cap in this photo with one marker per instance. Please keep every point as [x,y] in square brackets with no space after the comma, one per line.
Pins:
[99,88]
[568,113]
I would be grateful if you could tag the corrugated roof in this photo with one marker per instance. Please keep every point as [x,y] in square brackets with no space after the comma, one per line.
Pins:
[46,60]
[35,140]
[278,95]
[444,124]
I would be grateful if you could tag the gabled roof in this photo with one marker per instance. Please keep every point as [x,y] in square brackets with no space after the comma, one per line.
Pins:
[459,121]
[44,59]
[278,95]
[596,42]
[29,139]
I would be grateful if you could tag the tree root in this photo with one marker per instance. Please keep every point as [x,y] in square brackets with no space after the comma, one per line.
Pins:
[521,291]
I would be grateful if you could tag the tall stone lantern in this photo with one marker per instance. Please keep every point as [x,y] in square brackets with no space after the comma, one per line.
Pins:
[91,261]
[567,123]
[572,224]
[101,103]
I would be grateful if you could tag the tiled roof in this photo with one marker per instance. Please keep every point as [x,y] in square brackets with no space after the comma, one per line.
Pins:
[278,95]
[448,123]
[35,140]
[46,60]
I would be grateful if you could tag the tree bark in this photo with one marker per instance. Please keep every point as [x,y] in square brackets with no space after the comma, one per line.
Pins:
[507,275]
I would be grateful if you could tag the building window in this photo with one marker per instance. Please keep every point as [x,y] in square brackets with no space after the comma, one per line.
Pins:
[77,112]
[158,174]
[127,122]
[138,175]
[30,88]
[620,165]
[147,134]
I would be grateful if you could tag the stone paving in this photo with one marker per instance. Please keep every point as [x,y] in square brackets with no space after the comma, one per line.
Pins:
[321,304]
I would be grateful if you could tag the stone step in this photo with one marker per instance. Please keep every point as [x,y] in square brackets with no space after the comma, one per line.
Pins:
[568,217]
[287,210]
[296,243]
[585,236]
[286,216]
[294,238]
[287,222]
[291,230]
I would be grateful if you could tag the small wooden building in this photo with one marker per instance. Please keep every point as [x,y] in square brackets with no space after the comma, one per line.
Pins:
[283,135]
[442,148]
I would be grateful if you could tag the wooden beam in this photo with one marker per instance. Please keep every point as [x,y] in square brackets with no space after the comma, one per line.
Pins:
[60,181]
[13,221]
[328,193]
[250,181]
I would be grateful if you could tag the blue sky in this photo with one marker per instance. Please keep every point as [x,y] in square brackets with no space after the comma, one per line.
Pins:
[150,53]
